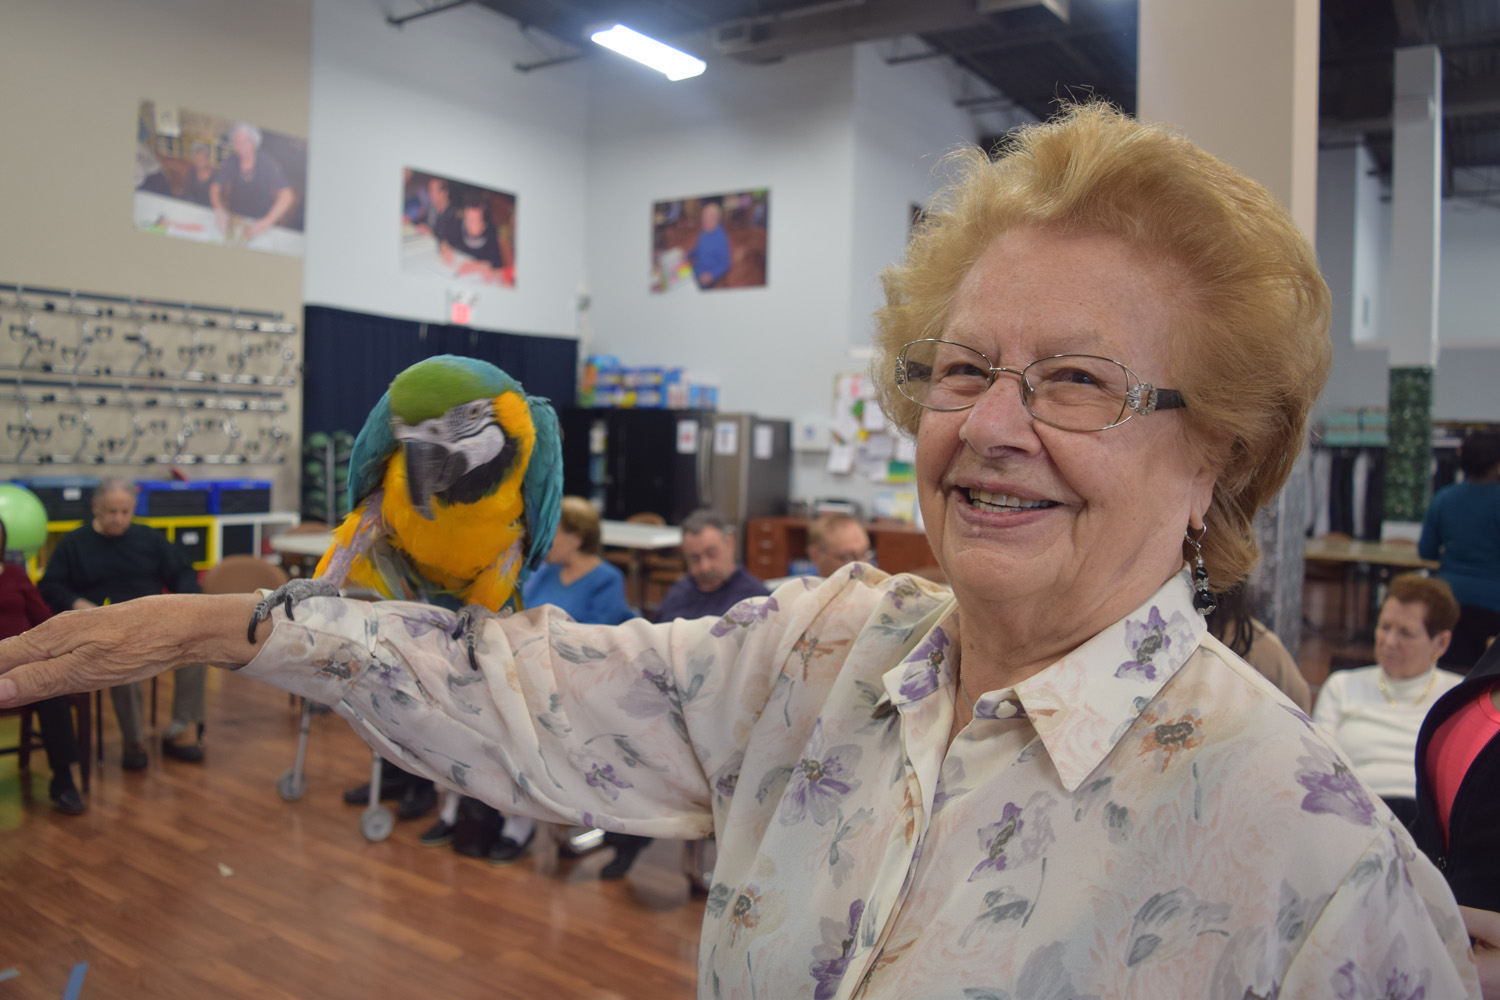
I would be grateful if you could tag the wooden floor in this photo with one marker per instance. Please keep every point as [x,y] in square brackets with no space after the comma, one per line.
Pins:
[199,881]
[196,881]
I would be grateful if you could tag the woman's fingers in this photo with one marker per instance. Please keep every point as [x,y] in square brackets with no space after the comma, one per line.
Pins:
[35,681]
[36,665]
[103,647]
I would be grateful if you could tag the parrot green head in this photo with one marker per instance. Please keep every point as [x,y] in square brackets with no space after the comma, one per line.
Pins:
[446,414]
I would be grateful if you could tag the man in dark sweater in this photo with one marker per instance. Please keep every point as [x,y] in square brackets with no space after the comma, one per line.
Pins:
[715,582]
[108,560]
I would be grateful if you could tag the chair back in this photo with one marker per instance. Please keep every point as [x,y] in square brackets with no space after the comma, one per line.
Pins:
[242,574]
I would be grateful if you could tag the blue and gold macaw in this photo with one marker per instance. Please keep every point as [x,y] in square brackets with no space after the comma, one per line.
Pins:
[455,484]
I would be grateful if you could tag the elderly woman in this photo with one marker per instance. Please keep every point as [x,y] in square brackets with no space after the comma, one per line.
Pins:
[576,578]
[1046,782]
[1375,713]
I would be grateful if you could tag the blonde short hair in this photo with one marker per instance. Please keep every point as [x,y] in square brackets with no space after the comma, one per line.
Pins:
[1249,339]
[578,517]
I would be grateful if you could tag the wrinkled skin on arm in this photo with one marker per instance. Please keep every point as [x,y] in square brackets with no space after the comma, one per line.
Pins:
[121,643]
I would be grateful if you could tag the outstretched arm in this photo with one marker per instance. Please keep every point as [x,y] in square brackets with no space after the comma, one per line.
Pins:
[120,643]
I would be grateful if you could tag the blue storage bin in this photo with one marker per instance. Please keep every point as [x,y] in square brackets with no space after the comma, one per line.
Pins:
[171,498]
[240,496]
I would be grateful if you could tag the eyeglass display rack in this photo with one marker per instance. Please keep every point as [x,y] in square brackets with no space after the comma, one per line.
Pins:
[110,380]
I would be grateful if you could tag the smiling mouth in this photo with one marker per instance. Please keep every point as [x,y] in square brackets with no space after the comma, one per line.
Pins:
[985,500]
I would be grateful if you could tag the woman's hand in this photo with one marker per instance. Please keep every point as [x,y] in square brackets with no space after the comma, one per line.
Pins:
[1484,927]
[86,650]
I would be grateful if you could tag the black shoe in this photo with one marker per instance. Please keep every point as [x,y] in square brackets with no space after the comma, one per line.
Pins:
[627,849]
[506,850]
[477,828]
[192,753]
[66,799]
[469,848]
[134,760]
[393,785]
[418,801]
[437,835]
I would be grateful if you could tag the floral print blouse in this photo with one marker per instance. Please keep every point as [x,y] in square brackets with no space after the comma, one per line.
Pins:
[1147,817]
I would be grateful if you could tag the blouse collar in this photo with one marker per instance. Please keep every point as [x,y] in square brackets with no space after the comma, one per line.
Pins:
[1083,704]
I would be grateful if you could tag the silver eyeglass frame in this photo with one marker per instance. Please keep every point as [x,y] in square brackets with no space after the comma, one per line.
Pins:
[1141,398]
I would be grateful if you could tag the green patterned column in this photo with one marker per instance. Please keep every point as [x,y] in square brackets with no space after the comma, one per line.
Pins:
[1408,452]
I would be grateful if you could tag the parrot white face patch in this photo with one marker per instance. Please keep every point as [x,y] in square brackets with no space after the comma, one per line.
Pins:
[441,450]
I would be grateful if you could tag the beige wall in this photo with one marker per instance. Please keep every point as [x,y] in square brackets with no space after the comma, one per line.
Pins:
[72,73]
[1242,80]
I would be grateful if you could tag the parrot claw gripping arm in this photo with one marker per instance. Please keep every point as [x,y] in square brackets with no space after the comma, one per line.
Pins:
[469,620]
[291,594]
[353,538]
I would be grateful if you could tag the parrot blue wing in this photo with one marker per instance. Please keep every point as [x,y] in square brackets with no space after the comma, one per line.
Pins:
[542,487]
[372,449]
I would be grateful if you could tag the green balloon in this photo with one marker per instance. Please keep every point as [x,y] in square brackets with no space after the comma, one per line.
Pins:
[24,517]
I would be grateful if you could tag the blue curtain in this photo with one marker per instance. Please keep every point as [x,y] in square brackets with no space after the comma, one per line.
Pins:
[351,357]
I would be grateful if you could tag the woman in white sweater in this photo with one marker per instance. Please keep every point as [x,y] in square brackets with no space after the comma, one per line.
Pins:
[1376,712]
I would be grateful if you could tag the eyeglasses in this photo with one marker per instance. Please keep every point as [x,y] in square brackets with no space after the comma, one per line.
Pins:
[845,557]
[1072,392]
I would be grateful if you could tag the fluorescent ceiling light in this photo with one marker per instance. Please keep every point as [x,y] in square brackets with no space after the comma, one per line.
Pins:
[673,63]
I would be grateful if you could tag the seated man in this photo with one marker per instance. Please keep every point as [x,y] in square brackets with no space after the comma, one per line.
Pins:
[714,584]
[1375,713]
[715,580]
[834,541]
[107,560]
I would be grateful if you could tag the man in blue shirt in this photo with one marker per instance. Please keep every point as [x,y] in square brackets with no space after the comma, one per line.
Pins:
[710,255]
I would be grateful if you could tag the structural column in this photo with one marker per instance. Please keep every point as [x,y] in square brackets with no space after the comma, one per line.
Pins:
[1241,79]
[1416,224]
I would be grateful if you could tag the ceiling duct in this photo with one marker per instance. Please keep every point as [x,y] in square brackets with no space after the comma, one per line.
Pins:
[1059,8]
[766,39]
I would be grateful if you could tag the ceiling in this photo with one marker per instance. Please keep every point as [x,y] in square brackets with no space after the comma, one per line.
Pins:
[1023,55]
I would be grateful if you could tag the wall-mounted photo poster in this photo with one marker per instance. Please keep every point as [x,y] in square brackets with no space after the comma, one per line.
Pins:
[710,242]
[456,230]
[212,179]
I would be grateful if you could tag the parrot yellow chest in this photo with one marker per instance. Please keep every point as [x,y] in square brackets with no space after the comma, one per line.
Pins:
[461,540]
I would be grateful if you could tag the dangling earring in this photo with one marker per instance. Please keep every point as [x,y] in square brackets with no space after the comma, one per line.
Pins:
[1204,601]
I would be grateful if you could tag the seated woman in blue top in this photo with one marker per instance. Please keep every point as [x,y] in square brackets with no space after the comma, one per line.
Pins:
[575,578]
[1462,529]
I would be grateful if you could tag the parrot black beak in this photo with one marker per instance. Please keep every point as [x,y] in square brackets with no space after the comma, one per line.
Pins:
[430,469]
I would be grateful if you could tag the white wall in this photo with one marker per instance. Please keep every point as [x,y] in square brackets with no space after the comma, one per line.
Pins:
[1349,242]
[904,121]
[1469,292]
[844,142]
[772,350]
[441,94]
[1354,238]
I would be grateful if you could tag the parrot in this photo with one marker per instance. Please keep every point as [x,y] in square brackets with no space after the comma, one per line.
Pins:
[455,489]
